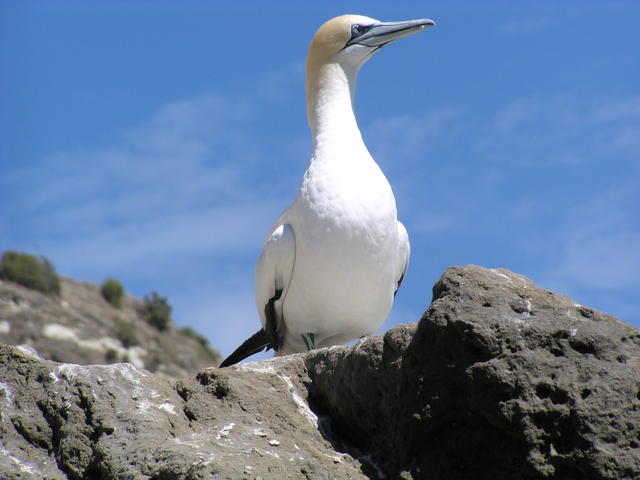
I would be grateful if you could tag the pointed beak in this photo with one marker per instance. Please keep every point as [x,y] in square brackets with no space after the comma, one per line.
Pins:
[385,32]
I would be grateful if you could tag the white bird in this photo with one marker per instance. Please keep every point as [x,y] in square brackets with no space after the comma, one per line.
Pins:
[334,259]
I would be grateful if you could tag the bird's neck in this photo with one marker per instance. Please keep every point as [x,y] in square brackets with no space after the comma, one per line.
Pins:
[330,98]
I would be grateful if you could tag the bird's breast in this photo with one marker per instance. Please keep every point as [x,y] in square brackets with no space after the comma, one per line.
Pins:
[345,224]
[350,198]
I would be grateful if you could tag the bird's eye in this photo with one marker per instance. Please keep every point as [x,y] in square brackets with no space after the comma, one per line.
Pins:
[357,30]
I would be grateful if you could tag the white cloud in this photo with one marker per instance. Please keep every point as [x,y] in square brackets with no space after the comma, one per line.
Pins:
[432,223]
[610,111]
[600,241]
[396,140]
[215,230]
[402,145]
[609,260]
[627,140]
[517,113]
[280,84]
[552,129]
[182,151]
[174,184]
[522,27]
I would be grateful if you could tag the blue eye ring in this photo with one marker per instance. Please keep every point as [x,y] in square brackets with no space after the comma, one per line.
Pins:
[357,29]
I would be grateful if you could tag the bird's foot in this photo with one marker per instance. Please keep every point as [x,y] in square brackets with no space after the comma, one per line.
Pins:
[307,338]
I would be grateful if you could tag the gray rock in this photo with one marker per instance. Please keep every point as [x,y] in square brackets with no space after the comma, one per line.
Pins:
[117,422]
[500,379]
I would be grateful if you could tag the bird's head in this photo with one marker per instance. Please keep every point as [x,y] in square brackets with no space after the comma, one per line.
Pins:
[338,50]
[350,40]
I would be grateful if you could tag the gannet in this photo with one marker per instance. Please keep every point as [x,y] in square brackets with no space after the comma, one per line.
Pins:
[334,259]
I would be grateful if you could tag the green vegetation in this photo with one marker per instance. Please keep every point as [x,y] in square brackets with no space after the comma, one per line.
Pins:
[157,311]
[191,333]
[29,271]
[111,355]
[126,333]
[112,291]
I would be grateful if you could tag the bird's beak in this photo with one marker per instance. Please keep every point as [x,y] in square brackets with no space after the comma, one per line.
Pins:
[385,32]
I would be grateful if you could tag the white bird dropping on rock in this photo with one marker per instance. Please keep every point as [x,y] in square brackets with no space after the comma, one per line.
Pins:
[332,262]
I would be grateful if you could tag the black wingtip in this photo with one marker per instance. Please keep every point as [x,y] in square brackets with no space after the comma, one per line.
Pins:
[254,344]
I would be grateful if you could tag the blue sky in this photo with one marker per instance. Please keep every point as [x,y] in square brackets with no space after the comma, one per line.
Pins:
[156,142]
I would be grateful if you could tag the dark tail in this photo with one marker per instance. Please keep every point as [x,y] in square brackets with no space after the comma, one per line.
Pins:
[254,344]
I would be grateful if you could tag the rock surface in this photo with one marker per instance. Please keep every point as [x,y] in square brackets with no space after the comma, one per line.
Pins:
[500,380]
[80,326]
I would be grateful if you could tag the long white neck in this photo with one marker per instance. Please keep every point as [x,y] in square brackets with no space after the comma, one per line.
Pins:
[330,112]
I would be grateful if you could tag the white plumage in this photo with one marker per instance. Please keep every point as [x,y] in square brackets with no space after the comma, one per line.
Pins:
[331,265]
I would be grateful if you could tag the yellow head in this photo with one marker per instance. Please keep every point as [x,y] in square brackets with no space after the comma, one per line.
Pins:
[350,40]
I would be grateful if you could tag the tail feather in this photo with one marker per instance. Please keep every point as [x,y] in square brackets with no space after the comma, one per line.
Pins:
[254,344]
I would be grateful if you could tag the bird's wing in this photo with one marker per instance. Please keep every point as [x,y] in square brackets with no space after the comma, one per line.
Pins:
[273,274]
[404,251]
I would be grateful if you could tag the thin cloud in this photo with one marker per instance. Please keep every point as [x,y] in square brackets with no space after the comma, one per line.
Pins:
[280,84]
[601,241]
[627,140]
[517,114]
[214,231]
[628,108]
[524,27]
[551,130]
[398,139]
[402,145]
[609,261]
[169,185]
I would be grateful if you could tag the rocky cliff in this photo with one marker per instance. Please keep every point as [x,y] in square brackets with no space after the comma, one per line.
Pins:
[80,326]
[500,379]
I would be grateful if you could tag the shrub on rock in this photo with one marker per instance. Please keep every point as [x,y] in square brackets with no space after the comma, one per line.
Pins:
[126,333]
[191,333]
[29,271]
[157,311]
[112,291]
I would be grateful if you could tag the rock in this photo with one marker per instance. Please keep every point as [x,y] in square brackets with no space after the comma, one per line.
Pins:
[80,326]
[65,421]
[500,380]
